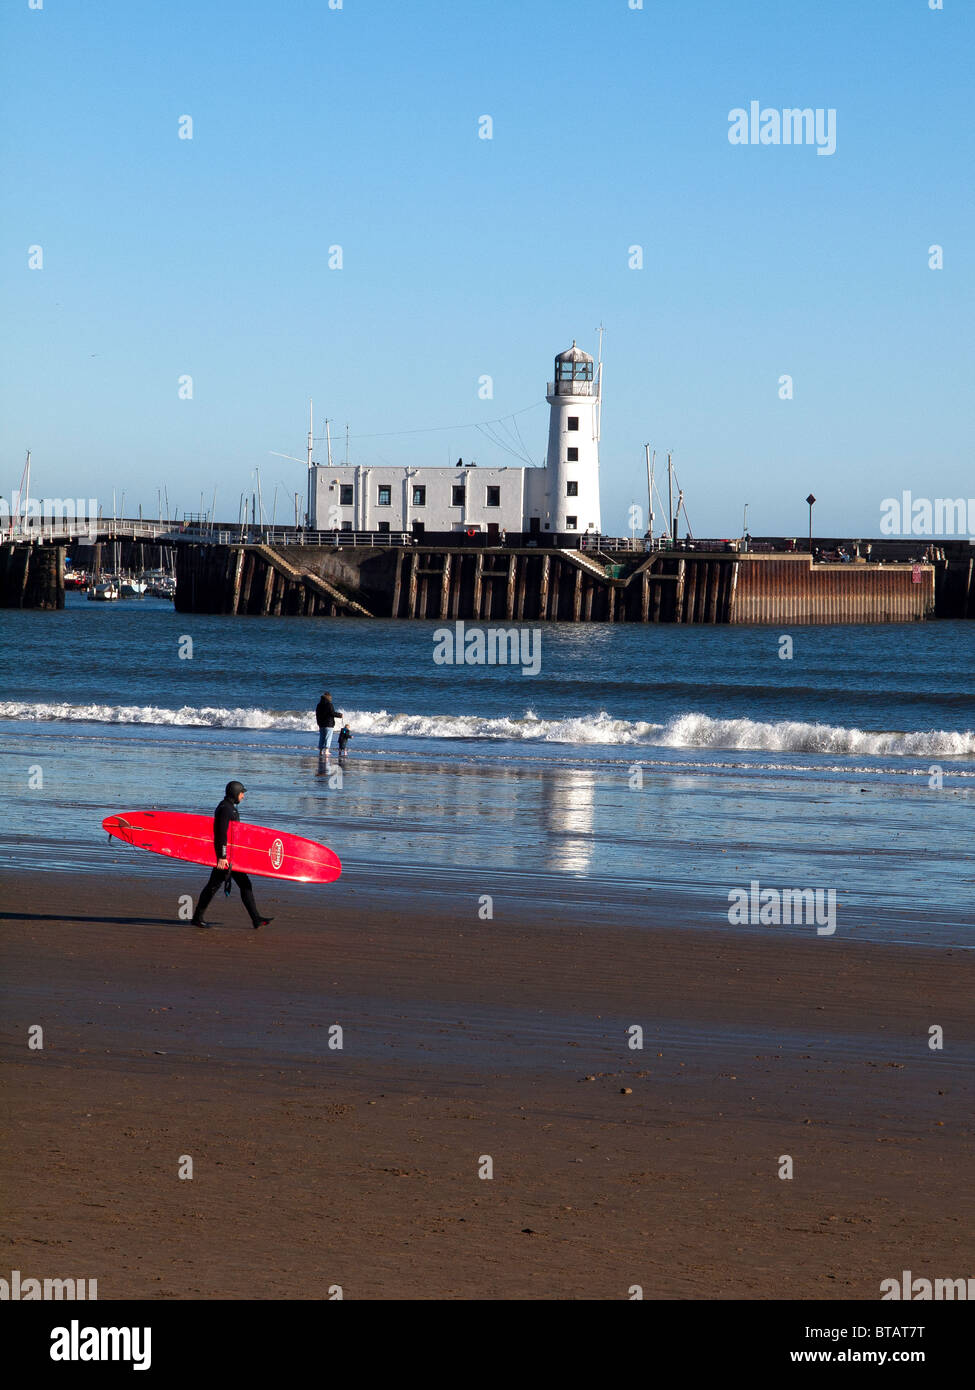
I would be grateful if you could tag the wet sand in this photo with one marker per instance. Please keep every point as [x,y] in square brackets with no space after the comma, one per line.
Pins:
[613,1167]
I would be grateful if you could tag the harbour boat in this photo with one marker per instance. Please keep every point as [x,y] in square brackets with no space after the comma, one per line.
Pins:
[105,591]
[159,584]
[132,588]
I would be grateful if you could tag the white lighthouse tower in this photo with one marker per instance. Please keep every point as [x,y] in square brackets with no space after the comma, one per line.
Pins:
[572,463]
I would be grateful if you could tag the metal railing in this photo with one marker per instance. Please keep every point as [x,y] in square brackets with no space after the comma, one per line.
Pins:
[83,529]
[281,535]
[570,388]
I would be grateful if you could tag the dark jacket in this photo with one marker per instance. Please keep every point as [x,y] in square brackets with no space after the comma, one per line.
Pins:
[325,714]
[222,816]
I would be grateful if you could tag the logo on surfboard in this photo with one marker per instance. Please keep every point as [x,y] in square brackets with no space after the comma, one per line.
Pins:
[276,853]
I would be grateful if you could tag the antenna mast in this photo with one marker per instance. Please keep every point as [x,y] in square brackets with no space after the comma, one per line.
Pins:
[310,475]
[599,385]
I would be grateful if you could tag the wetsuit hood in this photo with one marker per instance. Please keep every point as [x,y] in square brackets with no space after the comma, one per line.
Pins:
[233,790]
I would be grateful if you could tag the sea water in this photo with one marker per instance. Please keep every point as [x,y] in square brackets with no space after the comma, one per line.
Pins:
[638,758]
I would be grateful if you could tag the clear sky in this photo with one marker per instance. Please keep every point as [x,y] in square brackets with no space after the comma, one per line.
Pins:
[465,257]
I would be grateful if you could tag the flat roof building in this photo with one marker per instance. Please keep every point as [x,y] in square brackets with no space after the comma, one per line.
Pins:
[560,498]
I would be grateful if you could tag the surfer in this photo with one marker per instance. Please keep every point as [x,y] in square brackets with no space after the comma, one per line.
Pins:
[325,717]
[225,813]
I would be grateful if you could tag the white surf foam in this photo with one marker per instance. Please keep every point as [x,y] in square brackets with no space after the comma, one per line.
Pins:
[683,731]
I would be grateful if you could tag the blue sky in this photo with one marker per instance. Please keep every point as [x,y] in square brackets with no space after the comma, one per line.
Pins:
[464,257]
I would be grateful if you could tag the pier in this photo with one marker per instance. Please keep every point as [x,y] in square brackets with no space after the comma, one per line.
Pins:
[554,585]
[284,572]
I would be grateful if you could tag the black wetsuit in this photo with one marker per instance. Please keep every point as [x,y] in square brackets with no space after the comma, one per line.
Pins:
[222,816]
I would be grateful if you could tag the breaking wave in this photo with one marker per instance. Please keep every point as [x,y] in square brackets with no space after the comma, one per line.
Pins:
[683,731]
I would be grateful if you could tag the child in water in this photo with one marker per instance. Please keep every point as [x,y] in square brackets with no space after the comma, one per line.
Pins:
[345,733]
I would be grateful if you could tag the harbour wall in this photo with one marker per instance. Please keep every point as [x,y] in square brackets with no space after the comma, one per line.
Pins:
[31,576]
[527,584]
[535,585]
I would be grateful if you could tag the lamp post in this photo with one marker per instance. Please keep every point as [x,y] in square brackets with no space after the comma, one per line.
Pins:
[810,500]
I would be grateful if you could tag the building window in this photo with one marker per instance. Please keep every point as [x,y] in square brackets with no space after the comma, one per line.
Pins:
[346,525]
[573,455]
[458,495]
[494,497]
[571,523]
[573,422]
[419,496]
[345,495]
[385,494]
[384,526]
[572,489]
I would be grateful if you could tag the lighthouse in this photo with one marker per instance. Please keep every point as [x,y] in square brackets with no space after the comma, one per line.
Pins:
[572,463]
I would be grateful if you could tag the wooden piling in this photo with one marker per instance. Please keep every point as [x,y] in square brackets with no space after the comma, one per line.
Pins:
[268,590]
[445,588]
[478,584]
[679,594]
[522,584]
[717,570]
[238,575]
[397,587]
[411,599]
[245,596]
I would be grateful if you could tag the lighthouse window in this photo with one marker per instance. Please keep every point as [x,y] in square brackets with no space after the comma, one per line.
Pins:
[385,494]
[571,522]
[573,371]
[573,455]
[458,495]
[573,422]
[572,489]
[345,495]
[419,496]
[494,497]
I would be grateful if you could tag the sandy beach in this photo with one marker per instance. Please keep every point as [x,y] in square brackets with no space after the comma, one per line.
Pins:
[315,1167]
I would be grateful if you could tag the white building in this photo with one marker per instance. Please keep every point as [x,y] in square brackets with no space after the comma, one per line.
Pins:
[560,499]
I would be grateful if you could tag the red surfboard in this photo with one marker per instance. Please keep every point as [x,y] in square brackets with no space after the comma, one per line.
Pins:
[253,849]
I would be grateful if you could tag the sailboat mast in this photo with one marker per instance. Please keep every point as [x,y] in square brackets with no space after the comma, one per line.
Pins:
[650,489]
[670,497]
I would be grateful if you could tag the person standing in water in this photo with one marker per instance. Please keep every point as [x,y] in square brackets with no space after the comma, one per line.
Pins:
[325,717]
[225,814]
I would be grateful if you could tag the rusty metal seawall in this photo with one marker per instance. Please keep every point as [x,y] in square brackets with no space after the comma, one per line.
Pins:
[792,589]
